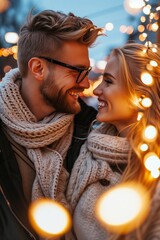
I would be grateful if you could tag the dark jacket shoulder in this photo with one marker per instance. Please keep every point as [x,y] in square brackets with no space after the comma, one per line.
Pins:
[14,224]
[82,123]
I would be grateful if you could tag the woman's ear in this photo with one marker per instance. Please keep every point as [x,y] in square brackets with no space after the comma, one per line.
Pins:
[37,68]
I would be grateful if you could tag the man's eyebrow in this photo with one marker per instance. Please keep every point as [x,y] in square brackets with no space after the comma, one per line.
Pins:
[108,75]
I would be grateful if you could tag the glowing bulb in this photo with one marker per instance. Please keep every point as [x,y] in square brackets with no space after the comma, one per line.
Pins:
[155,173]
[154,49]
[143,147]
[143,19]
[11,37]
[4,5]
[149,67]
[151,161]
[146,78]
[109,26]
[49,218]
[154,27]
[146,10]
[133,6]
[146,102]
[140,115]
[148,44]
[153,63]
[150,133]
[123,207]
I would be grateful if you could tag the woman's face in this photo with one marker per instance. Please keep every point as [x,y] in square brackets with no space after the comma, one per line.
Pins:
[113,98]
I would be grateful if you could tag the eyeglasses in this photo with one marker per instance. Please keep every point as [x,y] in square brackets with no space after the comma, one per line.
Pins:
[82,72]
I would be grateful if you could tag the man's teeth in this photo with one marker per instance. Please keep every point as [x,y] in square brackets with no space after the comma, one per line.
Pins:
[74,93]
[101,104]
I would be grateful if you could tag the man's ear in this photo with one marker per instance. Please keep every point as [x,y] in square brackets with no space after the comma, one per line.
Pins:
[37,68]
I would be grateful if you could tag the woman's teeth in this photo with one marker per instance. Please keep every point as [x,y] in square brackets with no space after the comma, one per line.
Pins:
[101,104]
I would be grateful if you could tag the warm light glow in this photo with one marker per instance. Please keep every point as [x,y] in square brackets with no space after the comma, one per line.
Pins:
[130,30]
[49,218]
[143,19]
[141,38]
[143,147]
[123,207]
[155,173]
[140,115]
[141,28]
[133,6]
[148,44]
[154,50]
[4,4]
[153,63]
[146,10]
[149,67]
[150,133]
[101,64]
[146,78]
[151,161]
[11,37]
[154,27]
[123,29]
[146,102]
[88,92]
[144,35]
[14,49]
[109,26]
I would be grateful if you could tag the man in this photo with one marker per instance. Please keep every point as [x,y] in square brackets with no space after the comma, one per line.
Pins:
[38,102]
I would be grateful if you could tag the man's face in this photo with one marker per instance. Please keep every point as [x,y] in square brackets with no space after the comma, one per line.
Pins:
[59,89]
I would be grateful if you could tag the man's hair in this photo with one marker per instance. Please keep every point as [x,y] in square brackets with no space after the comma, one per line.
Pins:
[46,31]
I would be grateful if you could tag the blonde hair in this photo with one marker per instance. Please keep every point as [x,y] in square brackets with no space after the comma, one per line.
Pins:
[133,60]
[47,30]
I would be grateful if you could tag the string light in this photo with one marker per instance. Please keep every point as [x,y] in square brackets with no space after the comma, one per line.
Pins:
[147,78]
[151,161]
[150,133]
[144,147]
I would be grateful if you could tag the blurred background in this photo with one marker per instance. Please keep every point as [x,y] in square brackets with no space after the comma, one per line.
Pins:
[123,21]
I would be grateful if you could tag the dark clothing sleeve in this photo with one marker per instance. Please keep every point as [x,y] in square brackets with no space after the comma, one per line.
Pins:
[14,224]
[82,123]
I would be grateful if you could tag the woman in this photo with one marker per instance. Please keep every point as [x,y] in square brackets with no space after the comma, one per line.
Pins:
[112,152]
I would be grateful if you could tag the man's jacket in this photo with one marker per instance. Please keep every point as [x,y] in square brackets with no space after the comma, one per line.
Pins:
[14,224]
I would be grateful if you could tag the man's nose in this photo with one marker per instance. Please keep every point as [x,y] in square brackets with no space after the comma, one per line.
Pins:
[85,83]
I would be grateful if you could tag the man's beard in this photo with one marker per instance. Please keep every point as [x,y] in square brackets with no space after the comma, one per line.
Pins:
[58,99]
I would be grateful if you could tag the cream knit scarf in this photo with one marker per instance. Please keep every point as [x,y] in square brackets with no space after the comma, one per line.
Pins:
[46,141]
[98,155]
[101,150]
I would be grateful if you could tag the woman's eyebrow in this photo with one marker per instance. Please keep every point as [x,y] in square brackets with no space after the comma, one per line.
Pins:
[108,75]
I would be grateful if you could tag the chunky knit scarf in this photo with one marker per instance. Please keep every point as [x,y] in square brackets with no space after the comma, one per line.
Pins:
[46,141]
[96,164]
[94,171]
[101,150]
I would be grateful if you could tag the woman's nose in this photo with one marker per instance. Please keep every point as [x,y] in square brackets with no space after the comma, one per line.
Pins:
[98,90]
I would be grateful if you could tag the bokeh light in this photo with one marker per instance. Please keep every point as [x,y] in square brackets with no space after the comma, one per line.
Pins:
[49,218]
[123,207]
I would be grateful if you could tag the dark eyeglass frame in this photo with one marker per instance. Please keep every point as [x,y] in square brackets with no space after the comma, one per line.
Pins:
[66,65]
